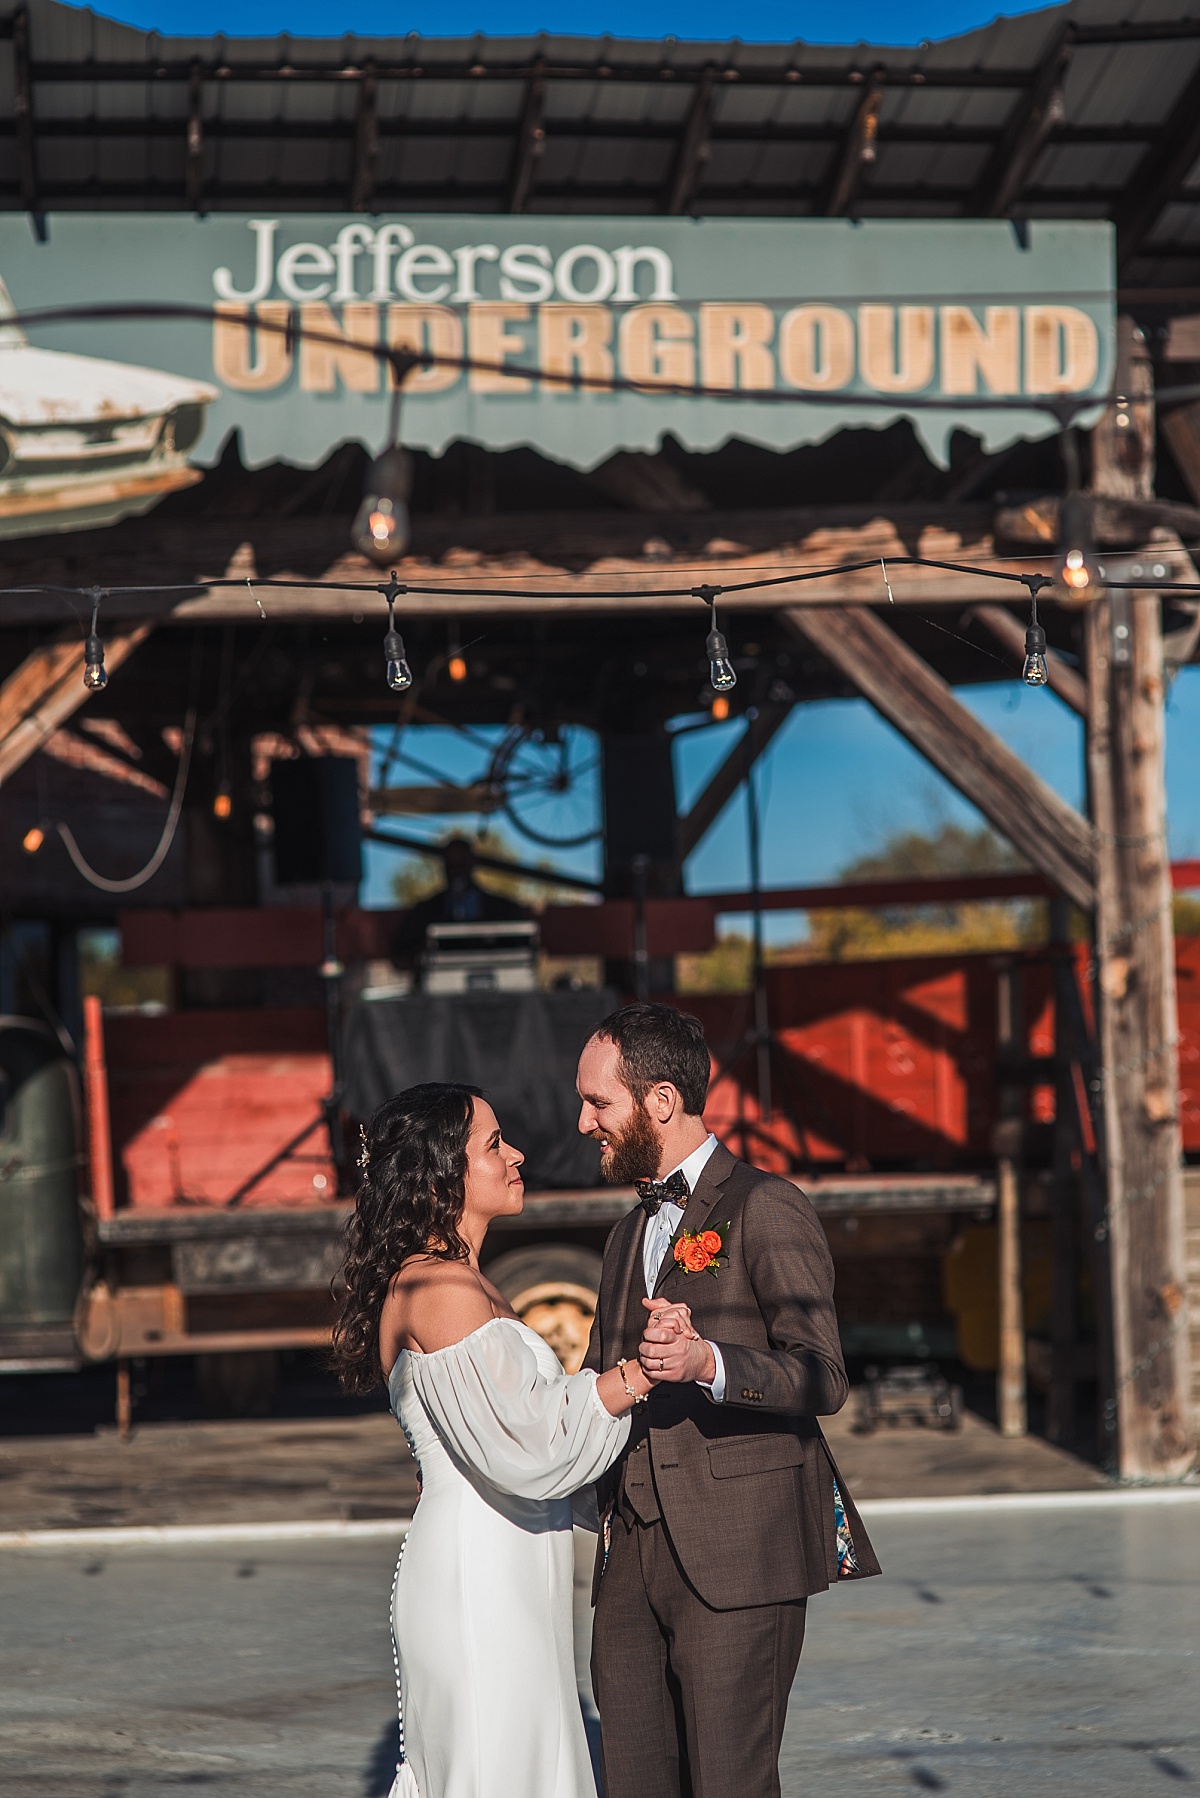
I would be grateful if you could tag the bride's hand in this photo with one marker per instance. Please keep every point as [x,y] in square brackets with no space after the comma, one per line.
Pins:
[675,1319]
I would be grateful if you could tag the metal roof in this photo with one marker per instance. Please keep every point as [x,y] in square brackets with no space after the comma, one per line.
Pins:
[1086,110]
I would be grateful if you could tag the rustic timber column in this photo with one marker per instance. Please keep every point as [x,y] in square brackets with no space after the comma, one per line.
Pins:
[1011,1405]
[1135,964]
[1135,957]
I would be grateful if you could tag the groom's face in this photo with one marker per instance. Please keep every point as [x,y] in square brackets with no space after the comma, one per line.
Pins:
[630,1148]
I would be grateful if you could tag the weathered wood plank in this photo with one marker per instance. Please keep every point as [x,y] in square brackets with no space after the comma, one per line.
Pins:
[1149,1409]
[725,782]
[1047,831]
[48,688]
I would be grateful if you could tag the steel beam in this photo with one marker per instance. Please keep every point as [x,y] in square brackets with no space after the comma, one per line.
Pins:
[1161,173]
[530,141]
[25,125]
[1037,114]
[366,144]
[858,148]
[693,147]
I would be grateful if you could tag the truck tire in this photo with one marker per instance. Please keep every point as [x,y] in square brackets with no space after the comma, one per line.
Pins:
[554,1289]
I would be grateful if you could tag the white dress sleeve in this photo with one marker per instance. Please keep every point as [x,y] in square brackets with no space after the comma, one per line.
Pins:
[527,1433]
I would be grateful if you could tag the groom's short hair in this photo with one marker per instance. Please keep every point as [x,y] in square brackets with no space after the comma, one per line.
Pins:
[657,1043]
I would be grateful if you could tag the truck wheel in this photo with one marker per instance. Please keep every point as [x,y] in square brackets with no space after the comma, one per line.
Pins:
[554,1290]
[237,1384]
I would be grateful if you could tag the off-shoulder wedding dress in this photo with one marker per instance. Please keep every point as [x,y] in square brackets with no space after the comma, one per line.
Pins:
[482,1603]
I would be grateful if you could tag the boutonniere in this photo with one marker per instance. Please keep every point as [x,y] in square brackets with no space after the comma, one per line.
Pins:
[701,1251]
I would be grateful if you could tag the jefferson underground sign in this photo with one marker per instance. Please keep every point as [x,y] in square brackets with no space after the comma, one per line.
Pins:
[837,322]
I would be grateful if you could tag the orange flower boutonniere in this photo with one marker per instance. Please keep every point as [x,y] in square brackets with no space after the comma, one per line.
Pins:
[700,1251]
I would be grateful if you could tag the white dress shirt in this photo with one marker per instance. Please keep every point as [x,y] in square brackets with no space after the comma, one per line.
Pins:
[659,1230]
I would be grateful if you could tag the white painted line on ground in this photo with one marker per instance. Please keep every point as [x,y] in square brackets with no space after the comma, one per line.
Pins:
[381,1529]
[168,1535]
[1101,1498]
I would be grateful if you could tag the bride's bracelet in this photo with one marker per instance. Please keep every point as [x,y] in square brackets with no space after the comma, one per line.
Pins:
[639,1398]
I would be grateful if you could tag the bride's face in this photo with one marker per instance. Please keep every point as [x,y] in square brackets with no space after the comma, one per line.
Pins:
[493,1184]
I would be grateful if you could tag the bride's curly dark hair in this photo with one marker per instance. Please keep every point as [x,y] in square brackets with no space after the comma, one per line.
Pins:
[410,1202]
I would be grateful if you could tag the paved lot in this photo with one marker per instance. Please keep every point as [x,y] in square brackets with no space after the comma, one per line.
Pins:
[358,1467]
[1006,1652]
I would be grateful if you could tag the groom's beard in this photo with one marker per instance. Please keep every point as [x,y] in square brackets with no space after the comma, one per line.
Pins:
[633,1153]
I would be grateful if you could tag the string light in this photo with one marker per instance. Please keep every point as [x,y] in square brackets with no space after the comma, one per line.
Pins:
[721,673]
[720,708]
[382,528]
[33,839]
[95,675]
[1035,672]
[399,674]
[223,803]
[1078,571]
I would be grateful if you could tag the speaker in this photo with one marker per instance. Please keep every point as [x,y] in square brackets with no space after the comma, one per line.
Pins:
[315,803]
[639,810]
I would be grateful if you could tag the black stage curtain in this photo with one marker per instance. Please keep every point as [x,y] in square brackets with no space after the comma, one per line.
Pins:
[520,1048]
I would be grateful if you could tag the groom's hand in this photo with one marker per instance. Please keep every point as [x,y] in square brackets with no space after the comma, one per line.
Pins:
[671,1349]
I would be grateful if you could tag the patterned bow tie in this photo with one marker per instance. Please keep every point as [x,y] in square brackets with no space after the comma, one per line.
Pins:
[654,1193]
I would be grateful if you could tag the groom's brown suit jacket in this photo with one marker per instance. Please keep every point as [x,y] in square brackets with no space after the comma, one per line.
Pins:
[745,1487]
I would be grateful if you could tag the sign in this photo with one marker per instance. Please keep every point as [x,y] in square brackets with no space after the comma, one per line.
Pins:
[868,315]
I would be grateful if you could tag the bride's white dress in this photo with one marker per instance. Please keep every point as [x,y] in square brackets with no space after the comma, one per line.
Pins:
[482,1610]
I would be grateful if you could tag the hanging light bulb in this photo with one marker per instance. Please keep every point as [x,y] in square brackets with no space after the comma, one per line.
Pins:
[223,803]
[399,674]
[1078,571]
[721,673]
[95,675]
[381,528]
[1035,672]
[33,839]
[720,708]
[456,667]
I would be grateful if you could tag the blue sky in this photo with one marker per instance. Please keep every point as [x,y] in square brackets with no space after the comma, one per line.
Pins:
[838,780]
[868,21]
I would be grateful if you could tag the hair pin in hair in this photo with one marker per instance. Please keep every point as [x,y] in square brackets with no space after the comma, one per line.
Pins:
[364,1159]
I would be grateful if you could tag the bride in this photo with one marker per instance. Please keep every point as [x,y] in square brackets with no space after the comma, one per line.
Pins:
[481,1608]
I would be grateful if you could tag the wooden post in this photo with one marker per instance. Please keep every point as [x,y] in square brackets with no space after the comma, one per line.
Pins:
[95,1092]
[1147,1413]
[1010,1383]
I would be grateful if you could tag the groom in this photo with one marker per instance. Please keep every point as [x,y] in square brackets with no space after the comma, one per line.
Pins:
[723,1514]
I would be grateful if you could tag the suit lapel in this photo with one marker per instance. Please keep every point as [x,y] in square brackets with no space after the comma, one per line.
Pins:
[707,1191]
[629,1265]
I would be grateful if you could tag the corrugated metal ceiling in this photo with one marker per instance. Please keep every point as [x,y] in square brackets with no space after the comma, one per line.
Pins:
[1086,110]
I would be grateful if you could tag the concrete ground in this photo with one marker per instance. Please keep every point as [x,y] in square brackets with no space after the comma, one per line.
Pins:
[358,1467]
[1007,1651]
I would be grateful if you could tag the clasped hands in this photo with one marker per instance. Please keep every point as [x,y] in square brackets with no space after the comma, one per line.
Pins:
[670,1349]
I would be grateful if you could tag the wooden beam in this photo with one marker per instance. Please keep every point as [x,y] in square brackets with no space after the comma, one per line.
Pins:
[1039,110]
[858,150]
[1161,173]
[1011,1408]
[540,586]
[530,140]
[1010,632]
[693,147]
[1148,1407]
[710,803]
[1181,428]
[1048,832]
[48,688]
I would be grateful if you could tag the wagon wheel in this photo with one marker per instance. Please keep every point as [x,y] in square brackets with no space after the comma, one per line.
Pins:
[542,778]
